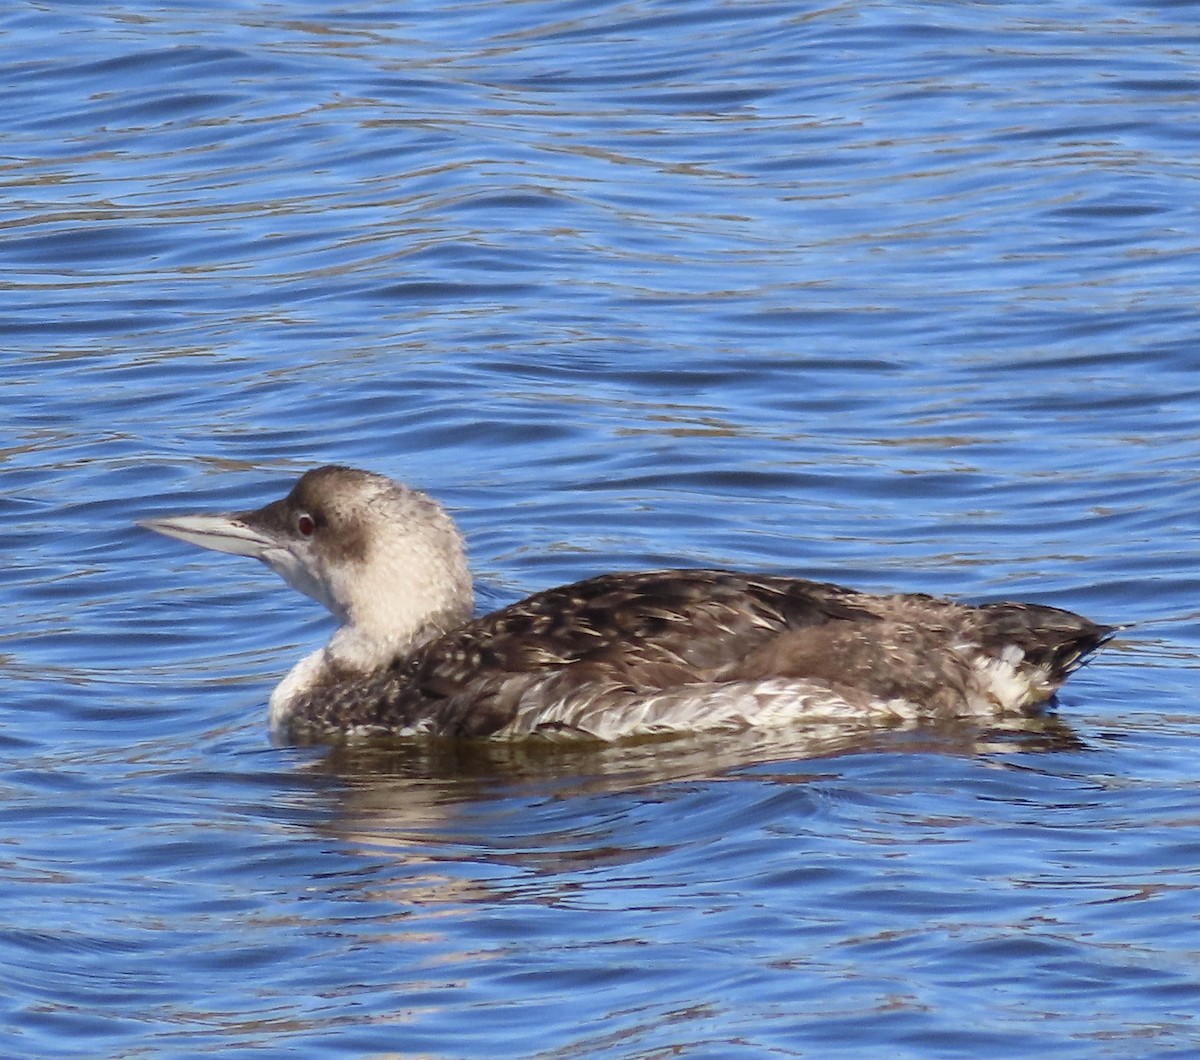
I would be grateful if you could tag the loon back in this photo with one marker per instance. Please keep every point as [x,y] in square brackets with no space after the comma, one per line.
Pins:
[684,650]
[616,655]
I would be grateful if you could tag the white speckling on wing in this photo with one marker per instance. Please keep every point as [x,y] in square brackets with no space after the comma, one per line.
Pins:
[1003,682]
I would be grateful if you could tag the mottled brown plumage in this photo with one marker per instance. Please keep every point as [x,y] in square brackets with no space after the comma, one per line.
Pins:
[614,655]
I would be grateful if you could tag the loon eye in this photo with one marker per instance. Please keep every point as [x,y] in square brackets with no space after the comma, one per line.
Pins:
[305,526]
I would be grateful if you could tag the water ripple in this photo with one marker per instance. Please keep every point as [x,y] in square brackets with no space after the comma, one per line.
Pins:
[898,296]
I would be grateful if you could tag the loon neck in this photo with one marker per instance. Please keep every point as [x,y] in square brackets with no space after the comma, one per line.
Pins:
[357,650]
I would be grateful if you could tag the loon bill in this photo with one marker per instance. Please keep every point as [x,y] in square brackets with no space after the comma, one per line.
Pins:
[616,655]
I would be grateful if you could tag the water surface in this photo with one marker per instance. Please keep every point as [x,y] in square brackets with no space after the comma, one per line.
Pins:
[902,296]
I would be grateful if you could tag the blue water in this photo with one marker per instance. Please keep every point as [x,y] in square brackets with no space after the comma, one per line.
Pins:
[899,295]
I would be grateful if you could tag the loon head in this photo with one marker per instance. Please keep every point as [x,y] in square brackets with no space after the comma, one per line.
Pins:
[386,560]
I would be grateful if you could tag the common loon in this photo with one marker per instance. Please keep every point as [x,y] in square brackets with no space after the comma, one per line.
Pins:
[616,655]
